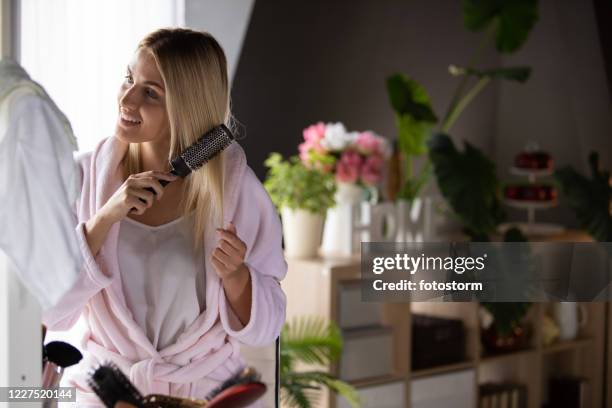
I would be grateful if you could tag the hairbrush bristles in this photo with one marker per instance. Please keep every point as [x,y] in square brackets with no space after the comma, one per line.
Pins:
[202,151]
[111,386]
[245,376]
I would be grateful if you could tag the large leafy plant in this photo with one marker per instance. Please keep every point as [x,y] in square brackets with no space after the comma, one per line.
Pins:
[290,184]
[508,315]
[507,23]
[313,341]
[589,198]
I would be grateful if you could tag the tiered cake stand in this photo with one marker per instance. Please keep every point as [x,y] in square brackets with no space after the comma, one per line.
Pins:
[531,227]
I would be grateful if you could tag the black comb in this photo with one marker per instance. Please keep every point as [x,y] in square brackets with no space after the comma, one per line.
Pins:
[112,386]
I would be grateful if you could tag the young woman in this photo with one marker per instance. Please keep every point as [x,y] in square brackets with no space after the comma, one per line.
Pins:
[173,281]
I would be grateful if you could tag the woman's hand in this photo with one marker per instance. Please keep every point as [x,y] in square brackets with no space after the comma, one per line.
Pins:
[128,196]
[228,257]
[133,194]
[228,261]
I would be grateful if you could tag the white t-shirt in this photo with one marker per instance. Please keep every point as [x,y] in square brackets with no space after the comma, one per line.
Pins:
[163,277]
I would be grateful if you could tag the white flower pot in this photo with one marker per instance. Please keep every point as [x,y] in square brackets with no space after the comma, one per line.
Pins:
[338,234]
[302,232]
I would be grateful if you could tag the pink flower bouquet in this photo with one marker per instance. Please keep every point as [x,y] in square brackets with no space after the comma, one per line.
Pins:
[353,157]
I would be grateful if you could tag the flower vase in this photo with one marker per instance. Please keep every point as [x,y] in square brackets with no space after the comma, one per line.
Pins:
[338,237]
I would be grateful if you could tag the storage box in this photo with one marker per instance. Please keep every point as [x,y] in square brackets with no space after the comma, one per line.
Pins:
[389,395]
[453,390]
[367,353]
[352,311]
[436,341]
[568,391]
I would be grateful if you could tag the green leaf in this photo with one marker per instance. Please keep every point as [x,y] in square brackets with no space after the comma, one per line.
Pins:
[409,98]
[518,74]
[412,135]
[513,20]
[312,340]
[291,184]
[514,235]
[468,182]
[315,379]
[589,198]
[297,395]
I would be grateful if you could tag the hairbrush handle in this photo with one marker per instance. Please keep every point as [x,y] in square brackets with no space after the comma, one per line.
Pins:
[163,183]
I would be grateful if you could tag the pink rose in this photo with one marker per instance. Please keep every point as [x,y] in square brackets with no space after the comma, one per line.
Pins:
[314,133]
[351,158]
[368,142]
[304,149]
[371,171]
[346,173]
[348,167]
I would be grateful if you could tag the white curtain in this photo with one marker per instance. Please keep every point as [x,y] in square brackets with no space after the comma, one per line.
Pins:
[79,49]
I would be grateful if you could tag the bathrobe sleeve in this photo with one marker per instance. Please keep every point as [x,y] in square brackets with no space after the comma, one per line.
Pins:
[91,278]
[258,225]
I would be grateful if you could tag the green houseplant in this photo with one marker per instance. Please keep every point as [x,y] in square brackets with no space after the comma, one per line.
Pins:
[591,199]
[467,179]
[507,23]
[310,340]
[302,196]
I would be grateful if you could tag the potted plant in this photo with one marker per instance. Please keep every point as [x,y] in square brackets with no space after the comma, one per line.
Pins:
[355,160]
[505,23]
[503,329]
[313,341]
[302,195]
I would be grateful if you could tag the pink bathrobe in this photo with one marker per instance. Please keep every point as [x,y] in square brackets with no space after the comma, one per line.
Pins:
[208,351]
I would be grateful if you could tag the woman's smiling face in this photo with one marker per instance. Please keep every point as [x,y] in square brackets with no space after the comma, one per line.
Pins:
[142,107]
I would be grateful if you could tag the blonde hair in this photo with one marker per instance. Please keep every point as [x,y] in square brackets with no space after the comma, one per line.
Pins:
[194,70]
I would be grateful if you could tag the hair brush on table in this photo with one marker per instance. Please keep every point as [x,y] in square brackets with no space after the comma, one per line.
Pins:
[112,386]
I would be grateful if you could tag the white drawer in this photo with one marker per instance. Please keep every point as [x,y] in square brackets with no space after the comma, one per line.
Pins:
[352,311]
[366,354]
[390,395]
[453,390]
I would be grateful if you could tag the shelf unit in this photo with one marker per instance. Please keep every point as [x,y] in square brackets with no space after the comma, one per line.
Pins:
[310,286]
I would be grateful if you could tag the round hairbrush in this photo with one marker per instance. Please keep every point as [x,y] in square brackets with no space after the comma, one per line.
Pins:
[202,151]
[199,153]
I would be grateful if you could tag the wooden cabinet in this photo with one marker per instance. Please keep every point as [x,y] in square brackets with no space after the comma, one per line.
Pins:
[312,288]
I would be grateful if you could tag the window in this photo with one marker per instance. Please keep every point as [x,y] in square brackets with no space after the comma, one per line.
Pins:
[78,50]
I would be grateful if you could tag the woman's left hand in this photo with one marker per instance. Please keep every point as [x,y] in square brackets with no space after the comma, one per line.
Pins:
[228,257]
